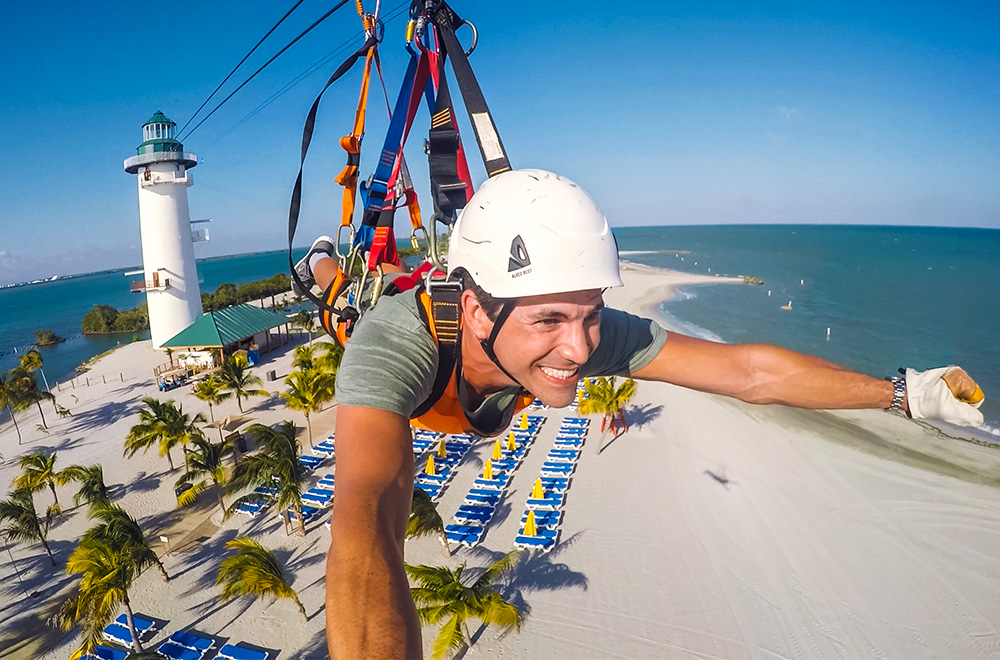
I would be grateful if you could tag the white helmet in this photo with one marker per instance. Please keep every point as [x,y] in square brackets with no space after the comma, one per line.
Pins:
[532,232]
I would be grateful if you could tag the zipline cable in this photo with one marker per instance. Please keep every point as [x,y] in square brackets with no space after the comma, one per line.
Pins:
[245,57]
[394,13]
[265,65]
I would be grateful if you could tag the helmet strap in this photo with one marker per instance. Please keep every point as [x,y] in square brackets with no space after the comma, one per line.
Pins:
[488,343]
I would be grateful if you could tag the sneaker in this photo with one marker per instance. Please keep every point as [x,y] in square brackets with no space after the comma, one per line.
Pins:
[322,245]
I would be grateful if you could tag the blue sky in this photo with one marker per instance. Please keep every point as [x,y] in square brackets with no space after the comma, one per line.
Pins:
[668,113]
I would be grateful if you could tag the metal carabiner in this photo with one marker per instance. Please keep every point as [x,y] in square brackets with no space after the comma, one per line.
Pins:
[475,37]
[350,241]
[415,242]
[376,286]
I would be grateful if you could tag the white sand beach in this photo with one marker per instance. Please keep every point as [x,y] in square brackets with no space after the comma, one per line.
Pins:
[712,529]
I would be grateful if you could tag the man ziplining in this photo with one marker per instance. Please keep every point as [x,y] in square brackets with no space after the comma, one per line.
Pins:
[531,255]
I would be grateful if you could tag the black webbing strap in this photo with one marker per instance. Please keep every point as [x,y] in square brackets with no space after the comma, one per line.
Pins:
[446,311]
[448,190]
[490,146]
[295,206]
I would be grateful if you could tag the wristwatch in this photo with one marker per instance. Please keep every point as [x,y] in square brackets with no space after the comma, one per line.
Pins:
[898,393]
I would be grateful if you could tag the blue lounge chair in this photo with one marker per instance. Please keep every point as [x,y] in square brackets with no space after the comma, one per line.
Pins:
[308,513]
[554,484]
[476,498]
[230,652]
[105,653]
[534,543]
[265,490]
[141,624]
[323,450]
[467,535]
[543,518]
[317,497]
[550,501]
[175,651]
[326,482]
[542,533]
[550,469]
[251,508]
[119,634]
[432,490]
[470,517]
[499,482]
[192,641]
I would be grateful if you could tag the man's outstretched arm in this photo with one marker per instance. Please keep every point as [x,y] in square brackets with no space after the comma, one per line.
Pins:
[369,610]
[757,373]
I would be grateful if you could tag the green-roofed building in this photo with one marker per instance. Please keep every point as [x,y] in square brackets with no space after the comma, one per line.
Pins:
[230,328]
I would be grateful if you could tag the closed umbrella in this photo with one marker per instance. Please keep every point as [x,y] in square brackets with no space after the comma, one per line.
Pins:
[429,469]
[530,528]
[524,421]
[497,451]
[537,492]
[488,470]
[442,452]
[511,445]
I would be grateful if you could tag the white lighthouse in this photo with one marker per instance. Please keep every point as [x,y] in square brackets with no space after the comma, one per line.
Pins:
[168,264]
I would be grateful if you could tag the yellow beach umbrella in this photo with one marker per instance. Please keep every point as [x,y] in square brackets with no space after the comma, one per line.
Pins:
[524,421]
[430,466]
[530,528]
[497,451]
[511,445]
[579,397]
[442,452]
[537,492]
[488,470]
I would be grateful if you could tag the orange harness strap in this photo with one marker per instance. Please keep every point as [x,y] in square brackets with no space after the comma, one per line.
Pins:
[348,177]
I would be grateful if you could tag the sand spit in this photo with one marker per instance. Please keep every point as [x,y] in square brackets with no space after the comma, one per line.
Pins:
[712,529]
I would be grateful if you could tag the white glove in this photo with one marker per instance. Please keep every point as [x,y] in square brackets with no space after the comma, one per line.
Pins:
[928,396]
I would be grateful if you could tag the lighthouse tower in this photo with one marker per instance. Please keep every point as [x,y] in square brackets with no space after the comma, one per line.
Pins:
[168,265]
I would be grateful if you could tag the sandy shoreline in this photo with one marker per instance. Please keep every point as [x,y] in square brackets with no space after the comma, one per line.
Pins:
[712,529]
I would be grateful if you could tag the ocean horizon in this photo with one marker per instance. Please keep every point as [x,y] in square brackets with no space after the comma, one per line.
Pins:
[890,296]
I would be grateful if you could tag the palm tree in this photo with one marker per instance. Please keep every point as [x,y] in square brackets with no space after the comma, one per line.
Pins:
[253,570]
[425,519]
[277,466]
[92,488]
[164,424]
[236,378]
[303,356]
[32,361]
[213,392]
[38,471]
[10,400]
[108,573]
[330,355]
[121,532]
[310,389]
[304,320]
[27,391]
[443,597]
[204,461]
[605,397]
[23,523]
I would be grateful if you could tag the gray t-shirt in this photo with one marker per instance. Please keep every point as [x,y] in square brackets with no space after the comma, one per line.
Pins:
[391,359]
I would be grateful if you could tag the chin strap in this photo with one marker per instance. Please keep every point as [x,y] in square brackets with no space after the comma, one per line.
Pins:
[488,343]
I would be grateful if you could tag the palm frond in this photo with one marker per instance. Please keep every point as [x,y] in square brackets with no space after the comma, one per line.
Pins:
[450,638]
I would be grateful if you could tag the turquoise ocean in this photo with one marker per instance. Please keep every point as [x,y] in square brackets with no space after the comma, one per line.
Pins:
[891,296]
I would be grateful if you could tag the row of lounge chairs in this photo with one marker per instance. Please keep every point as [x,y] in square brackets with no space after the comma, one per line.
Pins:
[180,645]
[481,501]
[439,467]
[539,528]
